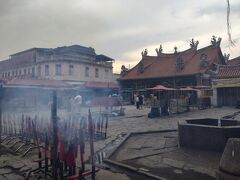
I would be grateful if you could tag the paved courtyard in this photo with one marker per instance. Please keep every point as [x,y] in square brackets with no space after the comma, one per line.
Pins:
[137,121]
[118,128]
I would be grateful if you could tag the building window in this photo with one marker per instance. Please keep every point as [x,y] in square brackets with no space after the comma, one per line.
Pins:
[8,74]
[106,74]
[58,70]
[20,72]
[71,69]
[24,71]
[39,70]
[96,72]
[46,70]
[29,71]
[87,72]
[12,73]
[33,71]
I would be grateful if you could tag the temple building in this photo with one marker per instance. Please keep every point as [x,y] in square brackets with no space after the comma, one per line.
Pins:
[226,84]
[193,67]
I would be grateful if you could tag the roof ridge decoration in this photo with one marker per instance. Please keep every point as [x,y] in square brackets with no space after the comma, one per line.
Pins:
[216,42]
[159,51]
[174,54]
[193,44]
[226,57]
[233,67]
[144,52]
[175,50]
[124,70]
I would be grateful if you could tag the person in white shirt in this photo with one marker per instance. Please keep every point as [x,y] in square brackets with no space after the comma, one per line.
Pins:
[76,106]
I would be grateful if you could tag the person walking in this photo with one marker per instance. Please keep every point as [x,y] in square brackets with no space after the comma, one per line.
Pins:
[76,107]
[187,99]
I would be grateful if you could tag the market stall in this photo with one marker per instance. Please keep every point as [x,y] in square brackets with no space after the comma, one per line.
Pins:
[173,101]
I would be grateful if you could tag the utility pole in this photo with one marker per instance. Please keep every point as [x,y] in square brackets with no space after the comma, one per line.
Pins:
[1,97]
[1,91]
[90,129]
[55,132]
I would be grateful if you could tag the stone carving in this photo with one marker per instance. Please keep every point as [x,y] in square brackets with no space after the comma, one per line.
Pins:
[144,53]
[215,41]
[194,44]
[159,51]
[179,63]
[141,67]
[203,61]
[226,57]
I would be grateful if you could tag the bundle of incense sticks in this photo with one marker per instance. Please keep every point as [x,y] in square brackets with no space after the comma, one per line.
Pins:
[71,136]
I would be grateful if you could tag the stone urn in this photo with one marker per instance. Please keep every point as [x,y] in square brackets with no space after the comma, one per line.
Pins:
[229,168]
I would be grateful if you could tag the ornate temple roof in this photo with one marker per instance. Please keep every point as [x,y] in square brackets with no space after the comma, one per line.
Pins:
[189,62]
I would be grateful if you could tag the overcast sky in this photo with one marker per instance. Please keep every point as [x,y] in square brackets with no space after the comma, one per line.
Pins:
[120,29]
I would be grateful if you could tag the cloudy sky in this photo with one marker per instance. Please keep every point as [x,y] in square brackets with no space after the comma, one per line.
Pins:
[120,29]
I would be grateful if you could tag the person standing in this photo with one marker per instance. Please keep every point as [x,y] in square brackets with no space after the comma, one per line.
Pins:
[187,99]
[143,100]
[137,101]
[155,111]
[76,107]
[134,98]
[140,101]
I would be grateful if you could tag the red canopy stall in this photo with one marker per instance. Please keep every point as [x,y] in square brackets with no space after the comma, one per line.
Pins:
[176,101]
[163,97]
[161,88]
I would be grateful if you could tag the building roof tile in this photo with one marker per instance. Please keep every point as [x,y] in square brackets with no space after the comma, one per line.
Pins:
[235,61]
[38,83]
[228,71]
[164,65]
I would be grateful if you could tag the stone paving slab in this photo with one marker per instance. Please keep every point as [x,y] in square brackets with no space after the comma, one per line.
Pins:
[180,161]
[142,145]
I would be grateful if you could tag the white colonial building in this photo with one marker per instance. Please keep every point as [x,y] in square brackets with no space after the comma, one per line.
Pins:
[73,64]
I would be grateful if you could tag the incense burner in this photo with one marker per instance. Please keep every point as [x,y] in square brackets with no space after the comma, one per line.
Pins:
[207,134]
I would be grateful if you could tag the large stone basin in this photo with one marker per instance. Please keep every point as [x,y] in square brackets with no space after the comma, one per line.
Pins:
[206,133]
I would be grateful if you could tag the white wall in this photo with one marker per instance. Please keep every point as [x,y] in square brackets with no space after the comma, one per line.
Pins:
[78,72]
